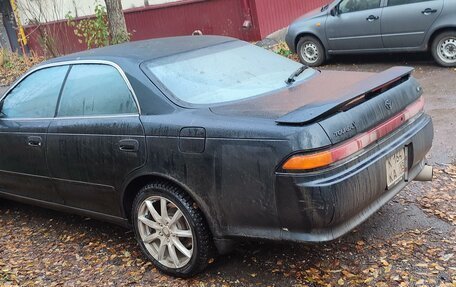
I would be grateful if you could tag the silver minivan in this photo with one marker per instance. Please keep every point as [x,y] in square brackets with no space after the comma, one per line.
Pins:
[376,26]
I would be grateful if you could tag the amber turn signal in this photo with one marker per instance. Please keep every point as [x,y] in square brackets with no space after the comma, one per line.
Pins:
[303,162]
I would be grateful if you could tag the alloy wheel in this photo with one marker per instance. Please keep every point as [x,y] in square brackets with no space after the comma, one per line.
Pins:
[165,232]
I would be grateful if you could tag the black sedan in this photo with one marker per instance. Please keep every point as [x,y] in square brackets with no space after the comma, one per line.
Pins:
[196,142]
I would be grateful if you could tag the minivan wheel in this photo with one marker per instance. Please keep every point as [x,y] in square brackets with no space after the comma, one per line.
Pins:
[171,230]
[444,49]
[311,51]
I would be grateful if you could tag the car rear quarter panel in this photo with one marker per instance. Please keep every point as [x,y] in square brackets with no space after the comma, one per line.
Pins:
[233,178]
[447,20]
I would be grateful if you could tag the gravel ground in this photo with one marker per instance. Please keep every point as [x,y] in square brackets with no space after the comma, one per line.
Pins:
[409,242]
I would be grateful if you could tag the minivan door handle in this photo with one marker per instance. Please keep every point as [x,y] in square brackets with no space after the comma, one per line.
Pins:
[372,18]
[34,141]
[129,145]
[429,11]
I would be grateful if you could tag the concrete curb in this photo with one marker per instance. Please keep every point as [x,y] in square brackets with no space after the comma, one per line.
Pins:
[278,35]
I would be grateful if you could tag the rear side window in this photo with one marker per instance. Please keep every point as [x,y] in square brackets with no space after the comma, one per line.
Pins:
[404,2]
[348,6]
[35,96]
[94,90]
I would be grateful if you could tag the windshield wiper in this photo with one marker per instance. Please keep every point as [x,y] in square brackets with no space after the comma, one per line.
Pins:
[296,74]
[324,7]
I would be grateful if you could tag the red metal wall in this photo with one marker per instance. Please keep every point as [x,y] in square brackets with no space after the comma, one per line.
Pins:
[273,15]
[61,38]
[219,17]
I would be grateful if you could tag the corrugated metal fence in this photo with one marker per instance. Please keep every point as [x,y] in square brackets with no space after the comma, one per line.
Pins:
[220,17]
[276,14]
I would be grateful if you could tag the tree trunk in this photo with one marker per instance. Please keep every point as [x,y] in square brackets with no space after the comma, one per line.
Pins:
[116,19]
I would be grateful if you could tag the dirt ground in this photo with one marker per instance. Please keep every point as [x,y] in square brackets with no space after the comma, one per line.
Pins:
[409,242]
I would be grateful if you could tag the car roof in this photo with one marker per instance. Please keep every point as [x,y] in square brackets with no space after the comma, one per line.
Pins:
[140,51]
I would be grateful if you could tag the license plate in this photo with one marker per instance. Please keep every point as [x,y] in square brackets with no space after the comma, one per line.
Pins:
[395,168]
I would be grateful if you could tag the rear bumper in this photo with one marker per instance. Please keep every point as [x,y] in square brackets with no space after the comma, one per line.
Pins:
[324,205]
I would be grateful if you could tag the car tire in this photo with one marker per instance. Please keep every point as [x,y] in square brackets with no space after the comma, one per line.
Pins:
[187,241]
[444,49]
[311,52]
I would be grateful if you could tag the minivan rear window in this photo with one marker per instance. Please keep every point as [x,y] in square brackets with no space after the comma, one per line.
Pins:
[223,73]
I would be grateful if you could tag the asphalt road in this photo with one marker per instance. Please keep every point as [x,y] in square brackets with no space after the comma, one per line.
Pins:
[268,263]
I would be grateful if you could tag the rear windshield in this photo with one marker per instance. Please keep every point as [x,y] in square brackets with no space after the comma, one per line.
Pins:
[223,73]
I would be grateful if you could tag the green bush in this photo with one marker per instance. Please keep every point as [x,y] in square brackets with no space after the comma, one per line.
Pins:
[93,31]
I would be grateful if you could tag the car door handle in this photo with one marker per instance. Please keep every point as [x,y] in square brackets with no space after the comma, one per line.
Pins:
[372,18]
[34,141]
[429,11]
[129,145]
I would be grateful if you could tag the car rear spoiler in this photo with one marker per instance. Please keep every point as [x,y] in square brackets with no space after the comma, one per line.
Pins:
[357,94]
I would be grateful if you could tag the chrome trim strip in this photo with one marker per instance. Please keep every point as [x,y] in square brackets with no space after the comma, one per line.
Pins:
[403,34]
[376,36]
[75,117]
[356,37]
[83,183]
[25,119]
[219,138]
[57,178]
[23,133]
[71,134]
[98,117]
[49,134]
[79,62]
[25,174]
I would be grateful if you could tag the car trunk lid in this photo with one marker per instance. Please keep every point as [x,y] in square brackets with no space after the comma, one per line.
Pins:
[342,100]
[363,106]
[343,103]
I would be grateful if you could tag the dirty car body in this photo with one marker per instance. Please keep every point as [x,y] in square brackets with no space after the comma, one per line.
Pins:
[304,162]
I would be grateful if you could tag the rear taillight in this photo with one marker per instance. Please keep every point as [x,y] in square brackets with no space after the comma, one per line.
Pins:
[302,162]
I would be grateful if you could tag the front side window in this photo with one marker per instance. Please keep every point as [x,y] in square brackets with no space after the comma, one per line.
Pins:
[222,73]
[94,90]
[348,6]
[35,96]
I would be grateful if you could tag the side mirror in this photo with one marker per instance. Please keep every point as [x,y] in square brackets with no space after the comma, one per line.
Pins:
[333,11]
